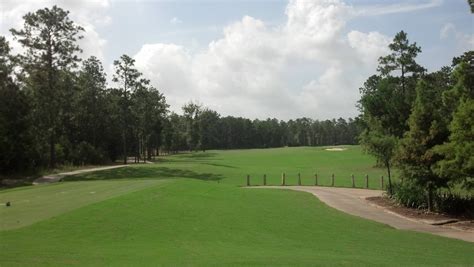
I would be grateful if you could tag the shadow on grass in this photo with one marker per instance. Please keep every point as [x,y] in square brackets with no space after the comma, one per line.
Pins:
[220,165]
[152,173]
[198,155]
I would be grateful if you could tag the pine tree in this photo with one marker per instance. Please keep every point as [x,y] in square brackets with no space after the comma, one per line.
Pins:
[416,155]
[49,38]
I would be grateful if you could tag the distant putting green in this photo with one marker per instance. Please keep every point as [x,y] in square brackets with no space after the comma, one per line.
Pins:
[176,213]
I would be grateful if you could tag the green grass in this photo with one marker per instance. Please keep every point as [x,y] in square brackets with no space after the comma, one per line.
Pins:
[190,222]
[33,204]
[176,213]
[232,166]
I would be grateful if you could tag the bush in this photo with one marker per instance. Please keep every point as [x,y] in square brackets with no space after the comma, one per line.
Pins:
[412,196]
[409,195]
[455,204]
[85,153]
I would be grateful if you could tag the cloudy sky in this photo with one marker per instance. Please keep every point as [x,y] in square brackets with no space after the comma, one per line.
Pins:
[262,58]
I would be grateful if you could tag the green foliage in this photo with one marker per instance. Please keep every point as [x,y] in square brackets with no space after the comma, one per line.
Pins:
[208,128]
[409,194]
[49,38]
[402,57]
[391,110]
[18,151]
[412,195]
[85,153]
[140,110]
[383,147]
[456,204]
[192,111]
[428,128]
[458,162]
[387,99]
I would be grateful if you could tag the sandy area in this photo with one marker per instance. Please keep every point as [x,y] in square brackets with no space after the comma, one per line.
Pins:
[336,149]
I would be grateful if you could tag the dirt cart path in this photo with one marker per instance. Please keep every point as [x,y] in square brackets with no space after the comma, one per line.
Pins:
[353,201]
[58,176]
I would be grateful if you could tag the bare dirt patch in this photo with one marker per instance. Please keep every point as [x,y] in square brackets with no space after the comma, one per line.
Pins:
[432,218]
[336,149]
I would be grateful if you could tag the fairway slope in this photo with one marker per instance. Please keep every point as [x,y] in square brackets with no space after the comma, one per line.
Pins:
[192,222]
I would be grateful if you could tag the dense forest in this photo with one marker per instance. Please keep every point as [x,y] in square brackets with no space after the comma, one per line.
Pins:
[58,109]
[423,124]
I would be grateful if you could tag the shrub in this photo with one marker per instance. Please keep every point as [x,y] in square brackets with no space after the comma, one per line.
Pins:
[85,153]
[412,196]
[409,195]
[455,204]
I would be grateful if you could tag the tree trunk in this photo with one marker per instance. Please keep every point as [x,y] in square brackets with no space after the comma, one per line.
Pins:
[124,149]
[430,198]
[387,163]
[138,147]
[403,80]
[52,151]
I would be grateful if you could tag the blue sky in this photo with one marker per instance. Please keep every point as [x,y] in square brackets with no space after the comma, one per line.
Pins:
[202,21]
[259,59]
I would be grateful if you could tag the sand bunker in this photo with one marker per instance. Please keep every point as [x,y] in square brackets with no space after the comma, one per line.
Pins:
[336,149]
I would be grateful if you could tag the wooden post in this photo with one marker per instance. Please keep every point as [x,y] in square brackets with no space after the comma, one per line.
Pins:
[264,179]
[283,179]
[353,181]
[366,181]
[248,180]
[332,179]
[315,179]
[299,178]
[381,182]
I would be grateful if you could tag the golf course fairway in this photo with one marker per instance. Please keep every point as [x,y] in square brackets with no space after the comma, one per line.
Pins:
[189,209]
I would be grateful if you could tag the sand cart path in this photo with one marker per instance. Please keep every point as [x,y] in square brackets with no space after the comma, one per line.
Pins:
[353,201]
[58,176]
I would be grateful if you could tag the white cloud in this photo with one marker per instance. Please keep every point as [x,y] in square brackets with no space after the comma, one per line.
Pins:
[446,30]
[333,94]
[396,8]
[169,67]
[175,21]
[88,14]
[464,41]
[246,72]
[370,46]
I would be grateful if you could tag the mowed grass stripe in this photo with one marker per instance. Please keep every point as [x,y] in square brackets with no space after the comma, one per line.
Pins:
[36,203]
[190,222]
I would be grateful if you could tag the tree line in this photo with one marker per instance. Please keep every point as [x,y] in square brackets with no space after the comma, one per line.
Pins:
[201,128]
[422,123]
[56,108]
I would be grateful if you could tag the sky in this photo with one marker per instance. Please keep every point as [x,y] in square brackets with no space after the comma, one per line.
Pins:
[262,58]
